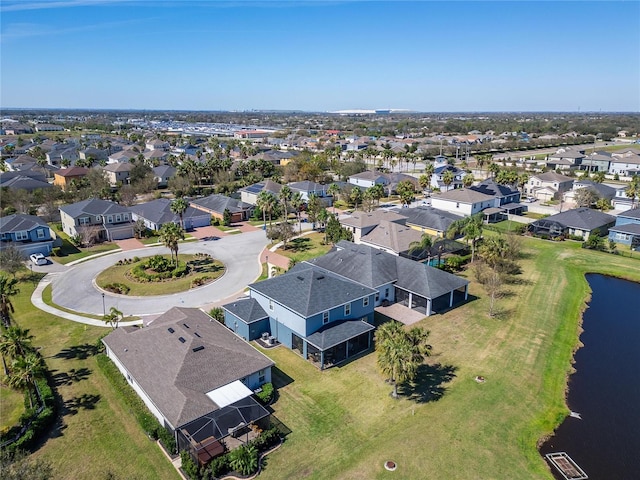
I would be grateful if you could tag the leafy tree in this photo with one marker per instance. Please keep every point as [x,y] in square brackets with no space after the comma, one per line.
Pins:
[282,231]
[595,241]
[603,204]
[334,232]
[8,289]
[11,260]
[170,234]
[470,227]
[492,282]
[406,190]
[113,317]
[179,206]
[217,313]
[139,228]
[226,217]
[598,177]
[585,197]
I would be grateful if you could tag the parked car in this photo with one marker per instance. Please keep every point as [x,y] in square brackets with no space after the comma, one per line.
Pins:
[38,259]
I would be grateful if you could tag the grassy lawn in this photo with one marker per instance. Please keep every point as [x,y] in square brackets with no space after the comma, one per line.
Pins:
[71,253]
[345,425]
[200,267]
[96,434]
[305,248]
[47,298]
[12,403]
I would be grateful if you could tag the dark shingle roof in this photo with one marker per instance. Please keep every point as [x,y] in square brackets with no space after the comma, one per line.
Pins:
[23,182]
[632,228]
[429,217]
[20,223]
[219,203]
[633,213]
[159,211]
[92,206]
[171,373]
[308,290]
[489,187]
[247,310]
[582,218]
[337,332]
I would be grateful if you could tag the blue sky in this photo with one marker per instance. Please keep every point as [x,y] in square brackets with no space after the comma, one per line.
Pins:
[321,55]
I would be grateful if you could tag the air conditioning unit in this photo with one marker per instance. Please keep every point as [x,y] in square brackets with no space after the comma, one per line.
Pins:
[272,340]
[265,336]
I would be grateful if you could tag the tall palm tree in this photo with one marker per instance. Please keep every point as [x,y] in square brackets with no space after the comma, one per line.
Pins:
[261,202]
[422,246]
[467,180]
[334,191]
[170,234]
[179,206]
[8,289]
[633,190]
[24,372]
[470,227]
[447,178]
[296,203]
[285,196]
[15,342]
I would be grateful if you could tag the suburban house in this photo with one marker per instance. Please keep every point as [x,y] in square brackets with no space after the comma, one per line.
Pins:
[463,201]
[196,377]
[579,222]
[215,205]
[548,186]
[438,174]
[361,223]
[368,179]
[627,164]
[597,162]
[28,233]
[395,279]
[308,188]
[565,160]
[621,201]
[250,194]
[391,237]
[601,190]
[106,220]
[118,172]
[164,173]
[158,212]
[28,180]
[157,145]
[429,220]
[123,156]
[61,153]
[324,317]
[65,176]
[94,154]
[627,229]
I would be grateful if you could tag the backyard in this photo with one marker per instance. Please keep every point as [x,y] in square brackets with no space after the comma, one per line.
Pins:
[344,423]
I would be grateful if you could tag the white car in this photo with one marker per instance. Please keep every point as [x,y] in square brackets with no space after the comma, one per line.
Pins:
[38,259]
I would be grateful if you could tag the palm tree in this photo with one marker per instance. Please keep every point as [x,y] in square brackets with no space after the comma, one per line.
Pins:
[447,178]
[334,191]
[179,206]
[15,342]
[285,196]
[244,459]
[261,203]
[170,234]
[356,196]
[470,227]
[8,289]
[377,191]
[113,317]
[269,204]
[467,180]
[423,245]
[633,190]
[297,202]
[24,372]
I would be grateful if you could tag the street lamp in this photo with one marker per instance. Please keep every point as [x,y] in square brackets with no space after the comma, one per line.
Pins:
[104,310]
[266,257]
[31,268]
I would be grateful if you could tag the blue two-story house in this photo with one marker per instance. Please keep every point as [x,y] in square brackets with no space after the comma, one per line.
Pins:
[627,229]
[28,233]
[324,317]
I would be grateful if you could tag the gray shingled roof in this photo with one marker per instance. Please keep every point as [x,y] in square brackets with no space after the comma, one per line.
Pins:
[247,309]
[20,223]
[360,219]
[429,217]
[632,213]
[489,187]
[171,373]
[394,236]
[465,195]
[23,182]
[308,290]
[159,211]
[552,177]
[632,228]
[426,281]
[582,218]
[93,206]
[219,203]
[335,333]
[307,186]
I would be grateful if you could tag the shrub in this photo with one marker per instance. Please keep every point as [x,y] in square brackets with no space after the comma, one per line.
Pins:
[189,466]
[196,282]
[267,439]
[120,288]
[167,439]
[217,313]
[266,394]
[158,263]
[220,465]
[180,271]
[244,459]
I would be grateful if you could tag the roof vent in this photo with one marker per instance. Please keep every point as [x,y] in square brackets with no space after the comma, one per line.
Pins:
[182,340]
[185,325]
[320,277]
[171,330]
[300,278]
[197,349]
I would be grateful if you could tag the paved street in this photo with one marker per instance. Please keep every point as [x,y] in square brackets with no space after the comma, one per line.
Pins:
[75,288]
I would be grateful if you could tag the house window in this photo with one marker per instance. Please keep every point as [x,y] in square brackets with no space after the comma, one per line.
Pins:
[325,317]
[271,305]
[347,309]
[40,233]
[118,218]
[386,292]
[377,297]
[261,377]
[21,236]
[98,218]
[110,219]
[84,221]
[125,216]
[365,302]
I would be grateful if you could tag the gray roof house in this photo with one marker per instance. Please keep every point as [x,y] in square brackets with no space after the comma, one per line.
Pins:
[158,212]
[103,219]
[216,204]
[429,220]
[163,173]
[392,237]
[250,194]
[27,233]
[361,223]
[195,376]
[579,222]
[23,180]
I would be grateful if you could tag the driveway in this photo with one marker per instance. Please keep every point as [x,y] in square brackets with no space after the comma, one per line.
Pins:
[75,288]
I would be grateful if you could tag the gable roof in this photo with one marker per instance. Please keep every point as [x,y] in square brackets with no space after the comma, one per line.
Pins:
[429,217]
[22,182]
[394,236]
[582,218]
[164,171]
[159,211]
[465,195]
[72,172]
[369,175]
[267,185]
[119,167]
[93,206]
[552,177]
[632,213]
[360,219]
[307,186]
[219,203]
[177,374]
[309,291]
[490,187]
[19,222]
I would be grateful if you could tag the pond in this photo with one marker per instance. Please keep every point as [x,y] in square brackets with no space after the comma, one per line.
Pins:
[605,389]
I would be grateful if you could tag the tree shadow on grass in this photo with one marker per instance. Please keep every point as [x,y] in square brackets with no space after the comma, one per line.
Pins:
[85,401]
[428,386]
[299,244]
[79,352]
[70,377]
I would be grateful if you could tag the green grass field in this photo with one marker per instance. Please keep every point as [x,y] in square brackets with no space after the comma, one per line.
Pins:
[71,253]
[305,248]
[343,422]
